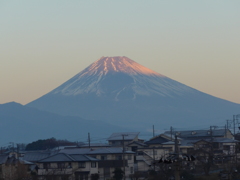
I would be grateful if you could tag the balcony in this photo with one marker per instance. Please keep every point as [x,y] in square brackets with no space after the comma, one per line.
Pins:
[55,171]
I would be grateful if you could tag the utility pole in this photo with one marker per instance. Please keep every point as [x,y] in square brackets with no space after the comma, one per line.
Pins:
[154,167]
[123,155]
[89,140]
[171,131]
[228,123]
[177,166]
[153,131]
[225,130]
[211,133]
[234,125]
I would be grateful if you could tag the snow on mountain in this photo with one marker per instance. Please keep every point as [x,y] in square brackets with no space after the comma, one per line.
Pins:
[141,80]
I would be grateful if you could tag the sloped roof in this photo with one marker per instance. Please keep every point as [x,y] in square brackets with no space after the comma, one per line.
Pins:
[119,136]
[110,150]
[219,140]
[25,162]
[191,142]
[225,140]
[199,133]
[169,143]
[157,140]
[137,142]
[60,157]
[81,157]
[63,157]
[188,143]
[35,156]
[96,145]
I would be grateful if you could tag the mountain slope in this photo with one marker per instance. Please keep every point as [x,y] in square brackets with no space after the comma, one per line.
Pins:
[122,92]
[116,75]
[24,124]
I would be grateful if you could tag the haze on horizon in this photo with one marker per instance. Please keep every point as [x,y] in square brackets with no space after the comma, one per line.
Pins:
[45,43]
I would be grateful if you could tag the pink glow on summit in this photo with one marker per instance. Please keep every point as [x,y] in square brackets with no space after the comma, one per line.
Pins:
[120,64]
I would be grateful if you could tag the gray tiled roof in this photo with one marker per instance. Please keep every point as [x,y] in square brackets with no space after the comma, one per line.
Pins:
[199,133]
[110,150]
[118,136]
[225,140]
[157,140]
[169,143]
[35,156]
[219,140]
[81,157]
[25,162]
[137,142]
[62,157]
[96,145]
[191,142]
[188,142]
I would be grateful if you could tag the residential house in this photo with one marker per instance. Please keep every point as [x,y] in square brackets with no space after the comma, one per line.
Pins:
[35,156]
[124,138]
[223,146]
[110,158]
[202,134]
[135,145]
[95,145]
[71,166]
[164,141]
[11,167]
[147,157]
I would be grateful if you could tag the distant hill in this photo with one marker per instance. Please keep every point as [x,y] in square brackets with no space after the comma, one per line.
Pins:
[24,124]
[122,92]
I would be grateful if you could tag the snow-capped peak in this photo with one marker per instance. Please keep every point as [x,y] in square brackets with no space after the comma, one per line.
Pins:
[118,64]
[117,76]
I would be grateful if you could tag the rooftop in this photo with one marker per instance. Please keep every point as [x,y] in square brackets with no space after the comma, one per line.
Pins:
[63,157]
[88,151]
[127,136]
[199,133]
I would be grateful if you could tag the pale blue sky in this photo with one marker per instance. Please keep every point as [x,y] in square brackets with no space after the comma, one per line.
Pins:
[44,43]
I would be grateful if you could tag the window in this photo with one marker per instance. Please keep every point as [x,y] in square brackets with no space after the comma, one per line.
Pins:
[93,164]
[129,157]
[118,157]
[46,165]
[103,157]
[81,164]
[134,148]
[82,176]
[226,148]
[60,165]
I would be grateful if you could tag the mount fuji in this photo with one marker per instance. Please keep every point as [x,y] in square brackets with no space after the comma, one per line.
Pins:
[122,92]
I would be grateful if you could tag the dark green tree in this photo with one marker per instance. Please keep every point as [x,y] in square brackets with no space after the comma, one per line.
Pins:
[47,144]
[95,176]
[118,174]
